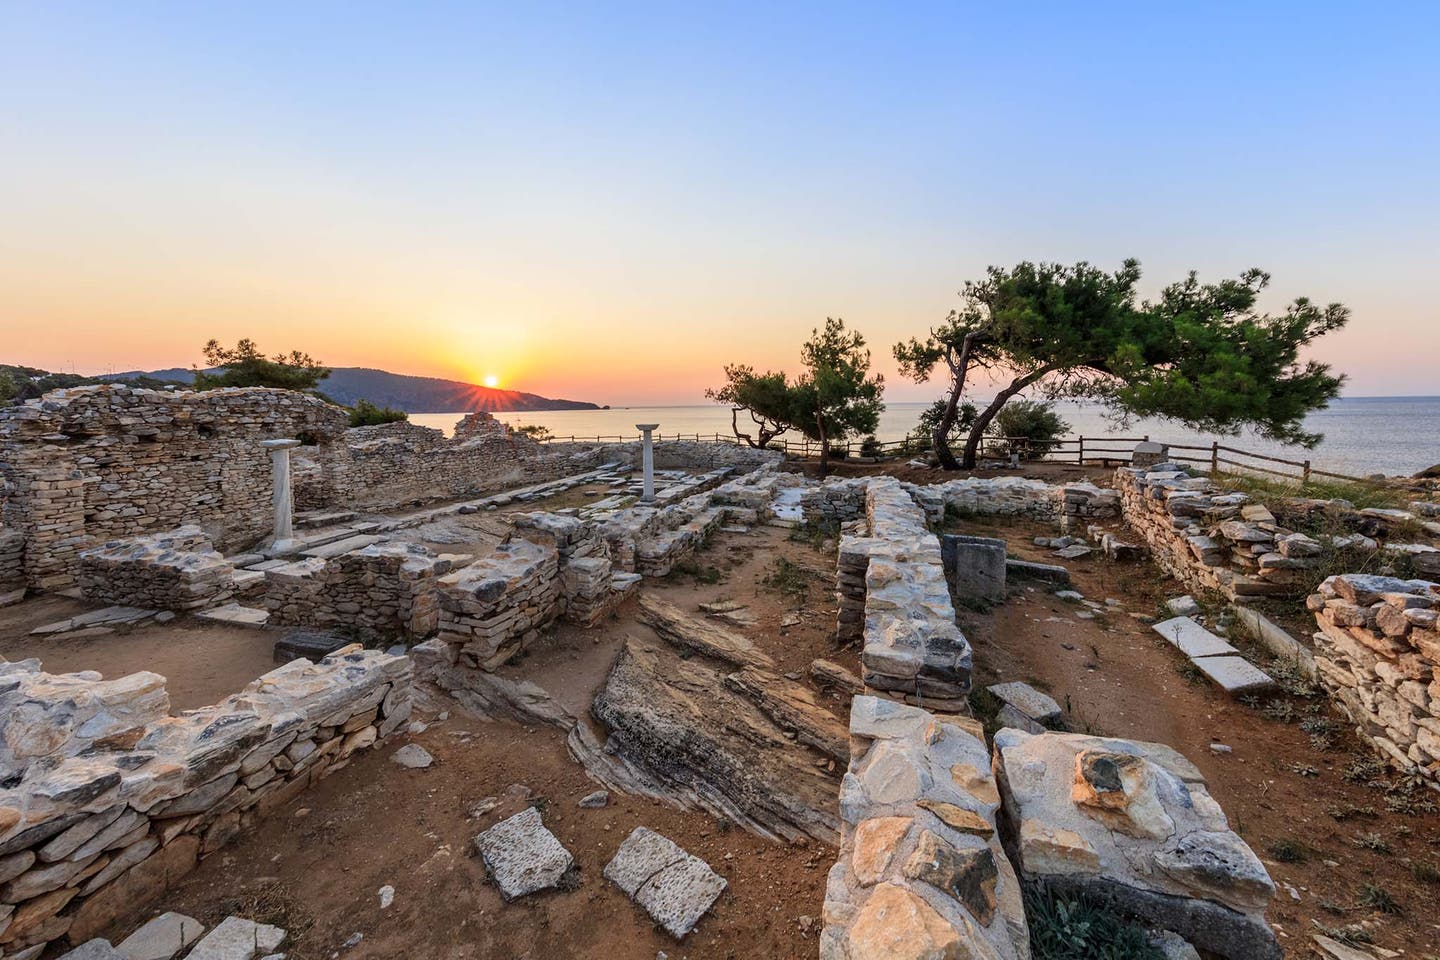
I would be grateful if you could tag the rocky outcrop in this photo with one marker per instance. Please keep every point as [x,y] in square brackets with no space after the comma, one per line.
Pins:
[1134,822]
[1377,651]
[921,871]
[678,720]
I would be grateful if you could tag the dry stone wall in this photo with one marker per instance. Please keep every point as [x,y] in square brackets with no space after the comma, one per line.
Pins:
[12,566]
[913,649]
[1377,650]
[491,609]
[91,464]
[176,570]
[381,590]
[108,800]
[921,871]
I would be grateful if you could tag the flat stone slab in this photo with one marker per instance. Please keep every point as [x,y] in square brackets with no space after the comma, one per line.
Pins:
[1026,699]
[162,938]
[1234,674]
[238,939]
[674,887]
[1185,606]
[521,856]
[104,617]
[234,615]
[1052,572]
[1192,639]
[337,547]
[307,643]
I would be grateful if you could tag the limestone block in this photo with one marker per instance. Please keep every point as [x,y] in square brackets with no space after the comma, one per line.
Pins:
[674,887]
[521,856]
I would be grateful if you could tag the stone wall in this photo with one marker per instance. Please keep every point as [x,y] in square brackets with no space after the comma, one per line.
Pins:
[921,871]
[383,590]
[1378,653]
[176,570]
[675,454]
[12,566]
[108,800]
[913,649]
[1211,541]
[91,464]
[491,609]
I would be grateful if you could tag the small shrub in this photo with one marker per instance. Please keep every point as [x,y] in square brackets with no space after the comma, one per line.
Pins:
[1083,928]
[1425,872]
[870,447]
[367,414]
[789,578]
[1372,841]
[532,430]
[1378,898]
[1289,851]
[1035,422]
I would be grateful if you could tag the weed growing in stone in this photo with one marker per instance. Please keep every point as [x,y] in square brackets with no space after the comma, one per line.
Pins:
[1378,898]
[1083,928]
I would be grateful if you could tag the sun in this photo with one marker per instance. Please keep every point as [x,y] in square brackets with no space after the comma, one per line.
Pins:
[491,380]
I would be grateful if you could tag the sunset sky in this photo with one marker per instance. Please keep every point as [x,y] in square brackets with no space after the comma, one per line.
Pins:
[608,201]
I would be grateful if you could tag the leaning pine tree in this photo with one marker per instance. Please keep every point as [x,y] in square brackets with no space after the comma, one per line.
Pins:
[1201,354]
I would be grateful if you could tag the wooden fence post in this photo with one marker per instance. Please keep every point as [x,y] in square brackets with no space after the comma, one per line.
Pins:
[1306,476]
[1215,456]
[1080,453]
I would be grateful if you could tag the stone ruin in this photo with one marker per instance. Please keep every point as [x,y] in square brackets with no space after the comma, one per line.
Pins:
[1377,650]
[107,799]
[175,570]
[930,822]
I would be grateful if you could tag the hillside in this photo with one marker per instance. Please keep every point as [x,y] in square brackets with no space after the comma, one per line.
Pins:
[348,385]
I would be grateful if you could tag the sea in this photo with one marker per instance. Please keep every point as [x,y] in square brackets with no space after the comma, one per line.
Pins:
[1362,435]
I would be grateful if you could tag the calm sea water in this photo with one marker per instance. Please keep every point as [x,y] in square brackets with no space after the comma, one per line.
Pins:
[1363,435]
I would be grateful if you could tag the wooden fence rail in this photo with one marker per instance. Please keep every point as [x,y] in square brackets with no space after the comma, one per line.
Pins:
[1080,449]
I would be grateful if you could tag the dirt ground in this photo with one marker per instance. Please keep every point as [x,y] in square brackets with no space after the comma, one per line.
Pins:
[1329,837]
[203,662]
[1287,798]
[316,866]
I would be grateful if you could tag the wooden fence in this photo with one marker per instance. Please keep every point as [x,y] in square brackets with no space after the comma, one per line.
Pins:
[1107,451]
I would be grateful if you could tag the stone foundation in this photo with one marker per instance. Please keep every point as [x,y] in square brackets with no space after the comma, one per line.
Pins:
[921,871]
[491,609]
[384,590]
[177,570]
[109,800]
[912,647]
[1378,653]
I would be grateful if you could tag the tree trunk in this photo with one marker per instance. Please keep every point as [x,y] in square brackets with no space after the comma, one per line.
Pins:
[824,445]
[959,370]
[735,425]
[982,422]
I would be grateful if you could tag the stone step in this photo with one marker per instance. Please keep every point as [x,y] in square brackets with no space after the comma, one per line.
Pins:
[247,580]
[1191,639]
[234,615]
[312,521]
[337,547]
[1234,675]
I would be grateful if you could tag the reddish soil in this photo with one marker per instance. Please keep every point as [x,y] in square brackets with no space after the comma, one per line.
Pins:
[1115,676]
[202,662]
[373,823]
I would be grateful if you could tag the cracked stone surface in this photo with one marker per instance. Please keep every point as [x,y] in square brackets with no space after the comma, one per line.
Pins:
[674,887]
[522,856]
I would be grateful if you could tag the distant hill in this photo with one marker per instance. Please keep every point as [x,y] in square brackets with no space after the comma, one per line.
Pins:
[348,385]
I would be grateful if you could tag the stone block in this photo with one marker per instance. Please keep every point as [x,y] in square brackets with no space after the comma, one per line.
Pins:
[161,938]
[521,856]
[674,887]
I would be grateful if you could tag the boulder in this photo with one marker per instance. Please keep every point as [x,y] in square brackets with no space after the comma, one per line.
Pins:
[1133,821]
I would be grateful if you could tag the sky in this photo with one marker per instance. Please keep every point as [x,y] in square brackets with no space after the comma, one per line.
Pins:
[610,201]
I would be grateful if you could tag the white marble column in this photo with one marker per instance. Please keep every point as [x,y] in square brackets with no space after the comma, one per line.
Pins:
[647,461]
[283,498]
